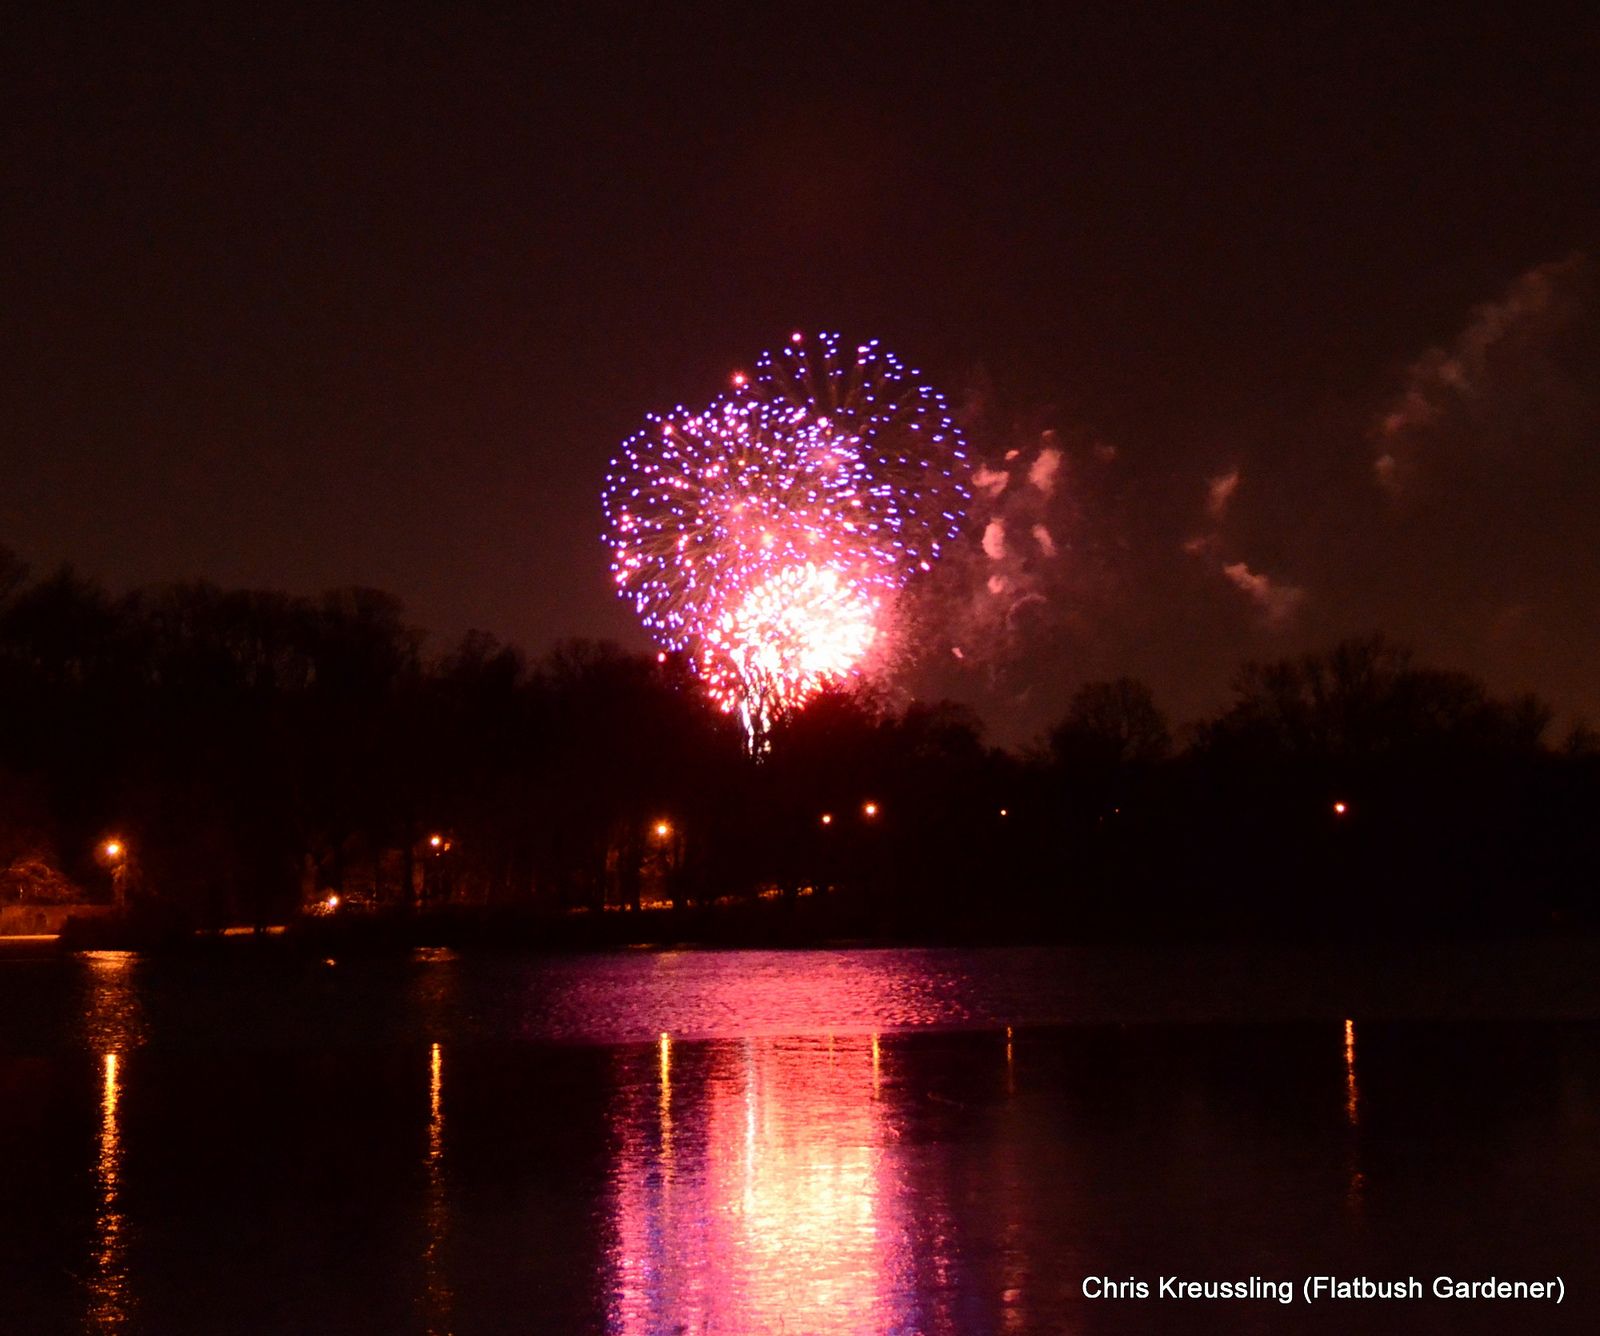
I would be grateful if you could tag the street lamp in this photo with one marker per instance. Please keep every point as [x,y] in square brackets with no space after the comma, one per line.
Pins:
[114,854]
[869,810]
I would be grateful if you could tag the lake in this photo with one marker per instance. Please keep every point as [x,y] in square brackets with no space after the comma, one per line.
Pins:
[254,1140]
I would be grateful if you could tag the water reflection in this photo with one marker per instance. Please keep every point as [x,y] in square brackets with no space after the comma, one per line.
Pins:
[113,1025]
[108,1277]
[869,1180]
[773,1205]
[437,1296]
[1356,1183]
[702,995]
[665,1097]
[113,1009]
[433,986]
[1352,1093]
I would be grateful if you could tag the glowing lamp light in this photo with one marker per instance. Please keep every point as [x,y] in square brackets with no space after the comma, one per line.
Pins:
[332,902]
[1340,808]
[437,841]
[1005,812]
[869,809]
[113,848]
[663,829]
[827,818]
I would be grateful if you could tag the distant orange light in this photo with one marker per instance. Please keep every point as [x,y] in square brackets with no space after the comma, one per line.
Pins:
[332,902]
[869,809]
[436,840]
[1339,809]
[113,848]
[663,829]
[738,378]
[1004,812]
[827,818]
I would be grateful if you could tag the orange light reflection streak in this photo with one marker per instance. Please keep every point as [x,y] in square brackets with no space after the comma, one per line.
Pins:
[1352,1094]
[1352,1113]
[109,1282]
[113,1026]
[437,1297]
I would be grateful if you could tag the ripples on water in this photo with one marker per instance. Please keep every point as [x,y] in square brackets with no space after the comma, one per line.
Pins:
[826,1142]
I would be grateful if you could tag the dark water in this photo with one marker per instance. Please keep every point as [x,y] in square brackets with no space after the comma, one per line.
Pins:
[749,1142]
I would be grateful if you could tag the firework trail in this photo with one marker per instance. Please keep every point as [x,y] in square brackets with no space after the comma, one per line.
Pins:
[767,536]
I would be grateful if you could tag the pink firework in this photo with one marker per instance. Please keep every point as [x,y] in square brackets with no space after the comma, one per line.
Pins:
[767,536]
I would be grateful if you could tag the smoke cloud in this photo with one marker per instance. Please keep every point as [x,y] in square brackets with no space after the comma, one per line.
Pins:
[1453,511]
[1278,601]
[1219,491]
[1504,343]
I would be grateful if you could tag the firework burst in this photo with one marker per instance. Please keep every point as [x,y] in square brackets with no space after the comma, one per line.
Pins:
[766,536]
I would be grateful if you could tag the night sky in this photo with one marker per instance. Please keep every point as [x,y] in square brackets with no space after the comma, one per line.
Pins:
[311,298]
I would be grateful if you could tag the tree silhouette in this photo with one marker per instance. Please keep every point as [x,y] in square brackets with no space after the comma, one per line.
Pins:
[257,752]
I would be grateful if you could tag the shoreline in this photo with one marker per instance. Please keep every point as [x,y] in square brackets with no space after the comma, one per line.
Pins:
[824,924]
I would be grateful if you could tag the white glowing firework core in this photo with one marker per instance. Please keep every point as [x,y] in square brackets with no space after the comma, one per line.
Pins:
[791,636]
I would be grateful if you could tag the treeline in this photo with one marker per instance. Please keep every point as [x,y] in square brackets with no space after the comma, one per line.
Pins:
[219,757]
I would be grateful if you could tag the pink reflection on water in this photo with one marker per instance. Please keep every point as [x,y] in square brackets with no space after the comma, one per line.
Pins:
[704,994]
[757,1188]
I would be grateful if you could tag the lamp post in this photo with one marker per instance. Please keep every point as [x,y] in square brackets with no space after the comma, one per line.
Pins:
[436,882]
[114,854]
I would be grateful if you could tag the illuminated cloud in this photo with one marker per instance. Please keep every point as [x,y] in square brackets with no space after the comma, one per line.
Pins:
[991,482]
[1478,548]
[1039,565]
[1278,601]
[1042,473]
[1457,515]
[1504,342]
[1219,491]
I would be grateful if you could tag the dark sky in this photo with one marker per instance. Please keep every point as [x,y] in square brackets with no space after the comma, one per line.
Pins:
[306,298]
